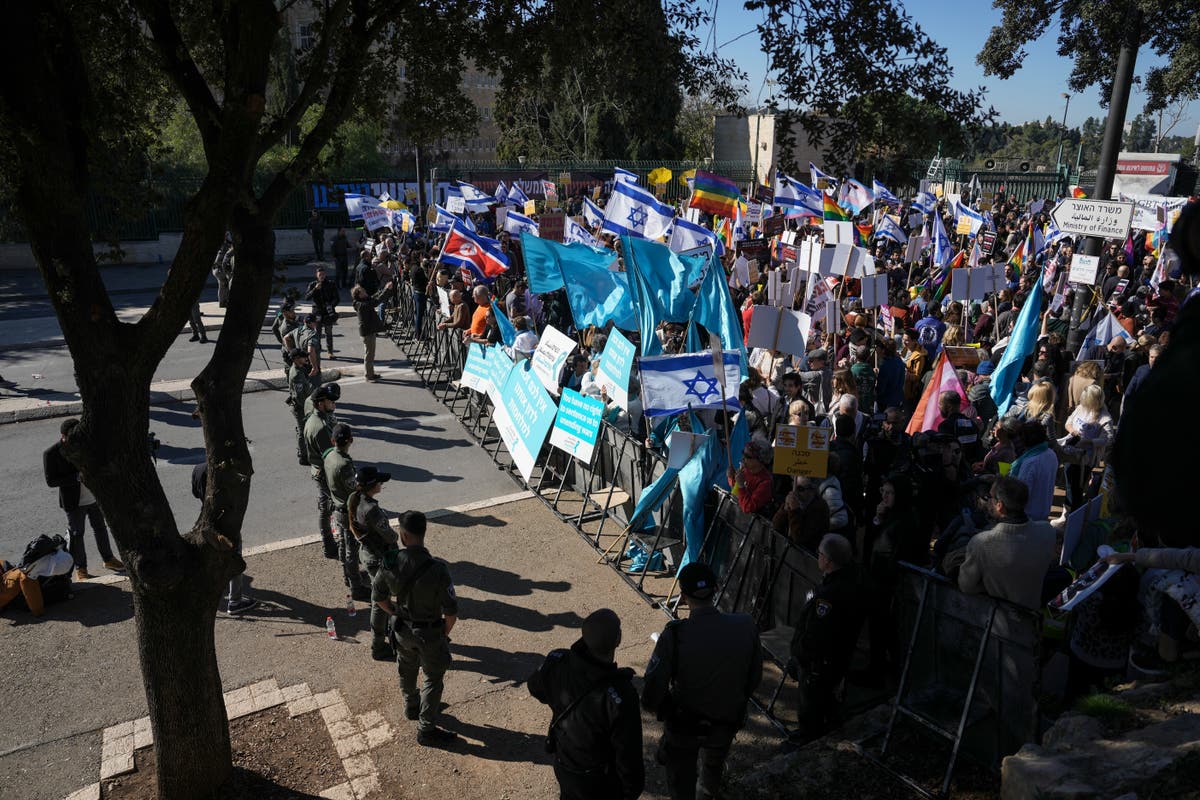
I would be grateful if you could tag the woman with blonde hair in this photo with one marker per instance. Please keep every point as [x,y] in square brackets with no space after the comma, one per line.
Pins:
[1090,431]
[1038,407]
[1088,373]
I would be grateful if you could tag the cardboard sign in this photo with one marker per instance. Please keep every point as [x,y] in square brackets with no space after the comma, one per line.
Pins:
[443,301]
[875,291]
[963,357]
[757,249]
[682,446]
[501,216]
[1084,269]
[773,226]
[530,207]
[523,417]
[801,450]
[577,425]
[476,374]
[499,365]
[987,241]
[552,226]
[550,356]
[964,227]
[780,329]
[431,215]
[456,204]
[615,364]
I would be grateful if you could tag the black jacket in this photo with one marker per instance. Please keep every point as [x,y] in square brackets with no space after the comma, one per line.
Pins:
[828,630]
[325,296]
[603,733]
[63,475]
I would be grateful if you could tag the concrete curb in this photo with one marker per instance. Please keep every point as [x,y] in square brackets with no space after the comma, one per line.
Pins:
[61,342]
[158,397]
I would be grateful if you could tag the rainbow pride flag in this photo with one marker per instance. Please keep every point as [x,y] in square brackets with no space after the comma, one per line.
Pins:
[834,212]
[1077,193]
[714,195]
[864,234]
[1022,257]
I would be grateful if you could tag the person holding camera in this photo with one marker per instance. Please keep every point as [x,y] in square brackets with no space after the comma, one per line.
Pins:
[596,731]
[324,295]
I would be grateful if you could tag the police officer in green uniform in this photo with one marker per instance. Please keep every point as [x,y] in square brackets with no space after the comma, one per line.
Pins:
[825,637]
[301,385]
[596,731]
[379,544]
[339,471]
[318,439]
[308,340]
[425,610]
[703,670]
[335,394]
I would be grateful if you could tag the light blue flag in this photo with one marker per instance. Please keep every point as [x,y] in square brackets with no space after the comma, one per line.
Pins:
[595,292]
[1020,346]
[592,213]
[541,264]
[715,310]
[705,469]
[661,283]
[651,499]
[508,334]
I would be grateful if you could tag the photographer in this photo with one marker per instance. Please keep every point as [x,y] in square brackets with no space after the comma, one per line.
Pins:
[323,293]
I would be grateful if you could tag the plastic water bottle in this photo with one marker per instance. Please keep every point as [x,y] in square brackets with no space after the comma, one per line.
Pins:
[330,628]
[350,609]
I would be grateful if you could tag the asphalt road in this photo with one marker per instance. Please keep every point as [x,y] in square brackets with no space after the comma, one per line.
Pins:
[400,427]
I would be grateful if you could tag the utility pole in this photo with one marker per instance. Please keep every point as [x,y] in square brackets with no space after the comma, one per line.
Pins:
[1106,170]
[1058,165]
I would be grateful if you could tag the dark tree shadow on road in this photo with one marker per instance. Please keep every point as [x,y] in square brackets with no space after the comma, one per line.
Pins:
[500,581]
[525,619]
[309,618]
[91,605]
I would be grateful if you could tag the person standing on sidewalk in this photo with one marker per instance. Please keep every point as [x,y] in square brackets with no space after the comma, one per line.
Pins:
[324,294]
[596,731]
[339,471]
[318,439]
[375,537]
[341,258]
[703,670]
[222,270]
[196,323]
[369,325]
[419,277]
[78,503]
[425,609]
[301,385]
[307,339]
[316,229]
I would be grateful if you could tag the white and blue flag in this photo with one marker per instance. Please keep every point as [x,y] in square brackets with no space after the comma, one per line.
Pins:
[674,384]
[687,235]
[925,202]
[819,177]
[883,195]
[574,232]
[887,228]
[1054,235]
[966,212]
[476,199]
[624,176]
[633,211]
[517,196]
[517,223]
[943,251]
[469,223]
[592,213]
[792,194]
[1103,332]
[501,193]
[356,202]
[443,221]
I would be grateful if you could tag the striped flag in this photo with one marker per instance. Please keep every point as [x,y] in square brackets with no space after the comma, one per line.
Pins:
[882,195]
[820,180]
[832,212]
[714,194]
[928,415]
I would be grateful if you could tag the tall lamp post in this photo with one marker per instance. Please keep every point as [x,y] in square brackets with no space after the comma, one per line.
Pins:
[767,84]
[1058,165]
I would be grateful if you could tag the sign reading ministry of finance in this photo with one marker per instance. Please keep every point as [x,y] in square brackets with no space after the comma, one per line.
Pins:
[1107,219]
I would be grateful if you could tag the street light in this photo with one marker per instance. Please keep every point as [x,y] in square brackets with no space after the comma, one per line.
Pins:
[1061,132]
[767,84]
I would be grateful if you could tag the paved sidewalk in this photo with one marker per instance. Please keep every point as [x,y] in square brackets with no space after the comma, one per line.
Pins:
[525,582]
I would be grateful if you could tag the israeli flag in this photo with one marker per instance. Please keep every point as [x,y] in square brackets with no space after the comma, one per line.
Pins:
[1103,332]
[633,211]
[574,232]
[356,202]
[674,384]
[592,213]
[443,221]
[883,195]
[943,251]
[476,200]
[469,223]
[818,177]
[925,202]
[624,176]
[976,217]
[516,196]
[1054,235]
[501,193]
[517,223]
[887,228]
[689,236]
[792,194]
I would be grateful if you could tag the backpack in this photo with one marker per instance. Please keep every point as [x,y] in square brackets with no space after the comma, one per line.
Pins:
[40,547]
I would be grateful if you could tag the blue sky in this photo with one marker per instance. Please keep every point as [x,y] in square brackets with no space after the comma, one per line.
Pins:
[1033,93]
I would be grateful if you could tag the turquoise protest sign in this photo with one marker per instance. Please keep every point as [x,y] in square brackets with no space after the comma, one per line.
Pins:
[615,364]
[577,425]
[476,373]
[523,416]
[499,365]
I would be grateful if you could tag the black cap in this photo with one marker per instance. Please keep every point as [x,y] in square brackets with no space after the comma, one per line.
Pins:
[296,352]
[342,432]
[366,477]
[287,305]
[310,318]
[697,580]
[328,391]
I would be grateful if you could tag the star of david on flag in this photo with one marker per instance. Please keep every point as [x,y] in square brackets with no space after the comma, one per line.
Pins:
[673,384]
[633,211]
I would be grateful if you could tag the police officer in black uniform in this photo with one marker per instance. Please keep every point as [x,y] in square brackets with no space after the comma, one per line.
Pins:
[596,731]
[703,671]
[419,594]
[826,635]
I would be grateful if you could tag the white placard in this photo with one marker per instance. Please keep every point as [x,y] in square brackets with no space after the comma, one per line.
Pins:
[875,291]
[780,329]
[501,216]
[682,446]
[1084,269]
[960,285]
[551,354]
[443,301]
[456,204]
[838,232]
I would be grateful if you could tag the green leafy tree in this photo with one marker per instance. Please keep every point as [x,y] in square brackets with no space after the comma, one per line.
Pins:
[695,127]
[825,51]
[1139,134]
[84,87]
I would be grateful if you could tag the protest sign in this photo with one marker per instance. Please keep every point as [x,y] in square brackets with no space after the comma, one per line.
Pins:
[530,207]
[615,364]
[964,226]
[577,424]
[682,446]
[550,356]
[875,290]
[1084,269]
[1086,584]
[551,226]
[476,373]
[801,450]
[524,416]
[779,329]
[456,204]
[773,226]
[374,218]
[963,357]
[501,216]
[499,365]
[443,301]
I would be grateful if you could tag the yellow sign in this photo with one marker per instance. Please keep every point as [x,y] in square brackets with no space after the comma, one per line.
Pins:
[801,450]
[564,178]
[596,193]
[530,207]
[410,195]
[964,226]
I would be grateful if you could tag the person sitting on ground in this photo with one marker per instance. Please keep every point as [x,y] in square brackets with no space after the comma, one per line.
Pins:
[1172,588]
[804,517]
[1009,561]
